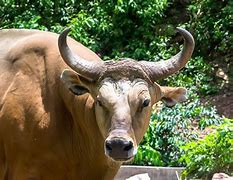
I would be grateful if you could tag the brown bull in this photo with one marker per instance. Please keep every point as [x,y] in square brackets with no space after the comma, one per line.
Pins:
[58,123]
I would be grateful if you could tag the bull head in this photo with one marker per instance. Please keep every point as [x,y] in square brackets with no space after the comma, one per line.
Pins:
[124,92]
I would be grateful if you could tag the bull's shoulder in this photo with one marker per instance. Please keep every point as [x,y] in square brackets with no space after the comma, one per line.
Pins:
[10,38]
[34,54]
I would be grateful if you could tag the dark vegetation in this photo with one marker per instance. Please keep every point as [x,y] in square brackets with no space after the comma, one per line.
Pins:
[145,29]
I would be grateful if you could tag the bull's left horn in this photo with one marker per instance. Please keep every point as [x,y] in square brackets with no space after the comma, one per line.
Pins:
[162,69]
[88,69]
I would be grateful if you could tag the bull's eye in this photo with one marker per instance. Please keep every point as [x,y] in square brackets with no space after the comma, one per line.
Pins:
[146,103]
[99,102]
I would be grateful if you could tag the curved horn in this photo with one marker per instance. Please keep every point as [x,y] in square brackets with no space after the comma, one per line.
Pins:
[162,69]
[85,68]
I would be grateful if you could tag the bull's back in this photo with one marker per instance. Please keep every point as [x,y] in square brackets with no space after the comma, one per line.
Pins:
[15,43]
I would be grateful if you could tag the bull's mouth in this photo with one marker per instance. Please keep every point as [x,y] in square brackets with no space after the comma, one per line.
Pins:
[122,159]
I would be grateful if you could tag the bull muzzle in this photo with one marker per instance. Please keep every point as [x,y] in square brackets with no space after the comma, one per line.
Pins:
[120,148]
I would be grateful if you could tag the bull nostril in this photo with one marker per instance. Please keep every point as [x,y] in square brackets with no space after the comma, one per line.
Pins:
[108,146]
[129,146]
[114,146]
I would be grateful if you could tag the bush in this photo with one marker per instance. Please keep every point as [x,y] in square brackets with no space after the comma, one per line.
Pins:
[196,76]
[210,155]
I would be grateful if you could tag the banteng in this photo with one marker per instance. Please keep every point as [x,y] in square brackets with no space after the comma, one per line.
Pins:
[65,114]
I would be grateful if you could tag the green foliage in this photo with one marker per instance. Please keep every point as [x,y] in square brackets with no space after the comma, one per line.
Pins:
[148,155]
[50,12]
[110,28]
[210,155]
[174,127]
[212,21]
[117,28]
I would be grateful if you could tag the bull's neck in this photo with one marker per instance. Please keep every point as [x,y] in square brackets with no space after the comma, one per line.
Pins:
[81,115]
[78,141]
[86,141]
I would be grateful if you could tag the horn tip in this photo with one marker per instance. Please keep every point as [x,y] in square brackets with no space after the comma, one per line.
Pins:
[62,37]
[182,30]
[65,32]
[186,34]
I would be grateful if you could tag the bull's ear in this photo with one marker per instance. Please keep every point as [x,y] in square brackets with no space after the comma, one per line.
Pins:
[173,95]
[75,83]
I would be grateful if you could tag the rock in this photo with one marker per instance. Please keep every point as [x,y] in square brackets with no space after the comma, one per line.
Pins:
[221,176]
[144,176]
